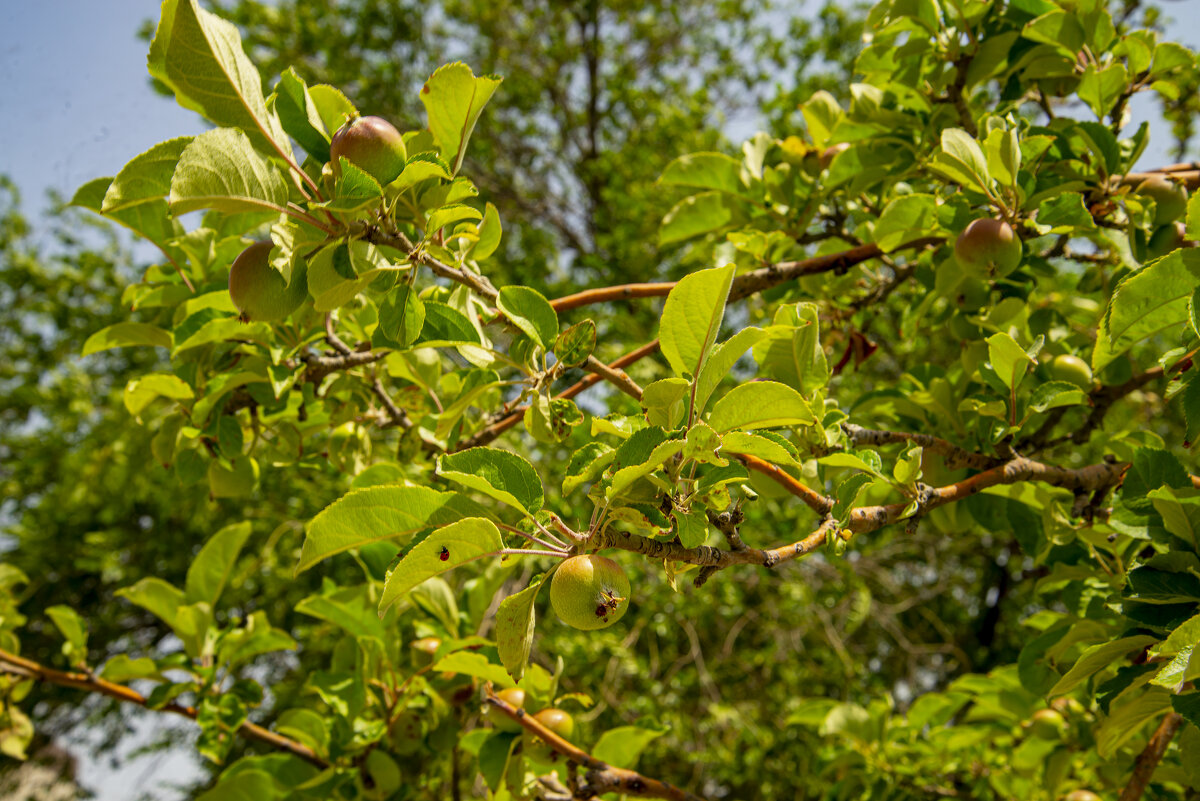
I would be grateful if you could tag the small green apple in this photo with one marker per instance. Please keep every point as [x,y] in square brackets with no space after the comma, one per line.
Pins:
[1073,370]
[557,721]
[373,145]
[1048,724]
[589,592]
[514,697]
[988,248]
[259,290]
[1170,200]
[1081,795]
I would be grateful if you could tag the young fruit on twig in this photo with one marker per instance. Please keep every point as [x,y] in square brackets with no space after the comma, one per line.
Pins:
[589,592]
[373,145]
[557,721]
[988,248]
[259,290]
[514,697]
[1073,370]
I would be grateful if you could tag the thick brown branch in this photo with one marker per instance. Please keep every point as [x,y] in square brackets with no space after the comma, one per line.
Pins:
[1152,754]
[615,376]
[814,500]
[610,293]
[744,285]
[955,457]
[17,665]
[317,367]
[600,777]
[1085,479]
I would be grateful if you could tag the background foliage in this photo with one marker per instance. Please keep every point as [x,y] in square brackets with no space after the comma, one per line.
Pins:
[908,661]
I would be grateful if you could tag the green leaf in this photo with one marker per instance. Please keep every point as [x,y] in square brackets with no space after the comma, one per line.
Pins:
[1009,360]
[141,392]
[1179,670]
[445,549]
[629,473]
[147,177]
[454,98]
[691,318]
[73,629]
[450,215]
[760,404]
[529,311]
[401,319]
[757,445]
[962,161]
[1188,705]
[121,669]
[621,747]
[126,335]
[468,663]
[1097,658]
[1126,720]
[587,463]
[200,57]
[421,167]
[502,475]
[514,628]
[691,528]
[1146,303]
[210,570]
[1101,87]
[906,218]
[664,400]
[706,171]
[1056,393]
[696,215]
[446,325]
[575,344]
[380,513]
[221,170]
[721,360]
[155,596]
[333,107]
[1180,512]
[149,219]
[299,116]
[490,231]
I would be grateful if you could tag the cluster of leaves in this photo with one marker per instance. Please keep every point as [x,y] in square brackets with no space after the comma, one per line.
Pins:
[840,239]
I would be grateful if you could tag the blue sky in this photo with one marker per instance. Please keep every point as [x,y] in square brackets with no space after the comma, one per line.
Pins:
[77,103]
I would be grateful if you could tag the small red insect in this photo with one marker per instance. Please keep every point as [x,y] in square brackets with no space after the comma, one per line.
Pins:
[445,554]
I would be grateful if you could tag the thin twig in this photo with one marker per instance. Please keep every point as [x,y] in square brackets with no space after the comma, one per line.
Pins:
[17,665]
[599,777]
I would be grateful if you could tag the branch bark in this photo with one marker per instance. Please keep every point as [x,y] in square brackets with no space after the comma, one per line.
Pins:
[1152,754]
[20,666]
[599,777]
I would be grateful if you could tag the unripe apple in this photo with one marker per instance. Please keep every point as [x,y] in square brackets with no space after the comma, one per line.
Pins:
[514,697]
[557,721]
[1170,201]
[237,482]
[1167,238]
[1073,370]
[589,592]
[1047,724]
[373,145]
[1081,795]
[988,248]
[258,289]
